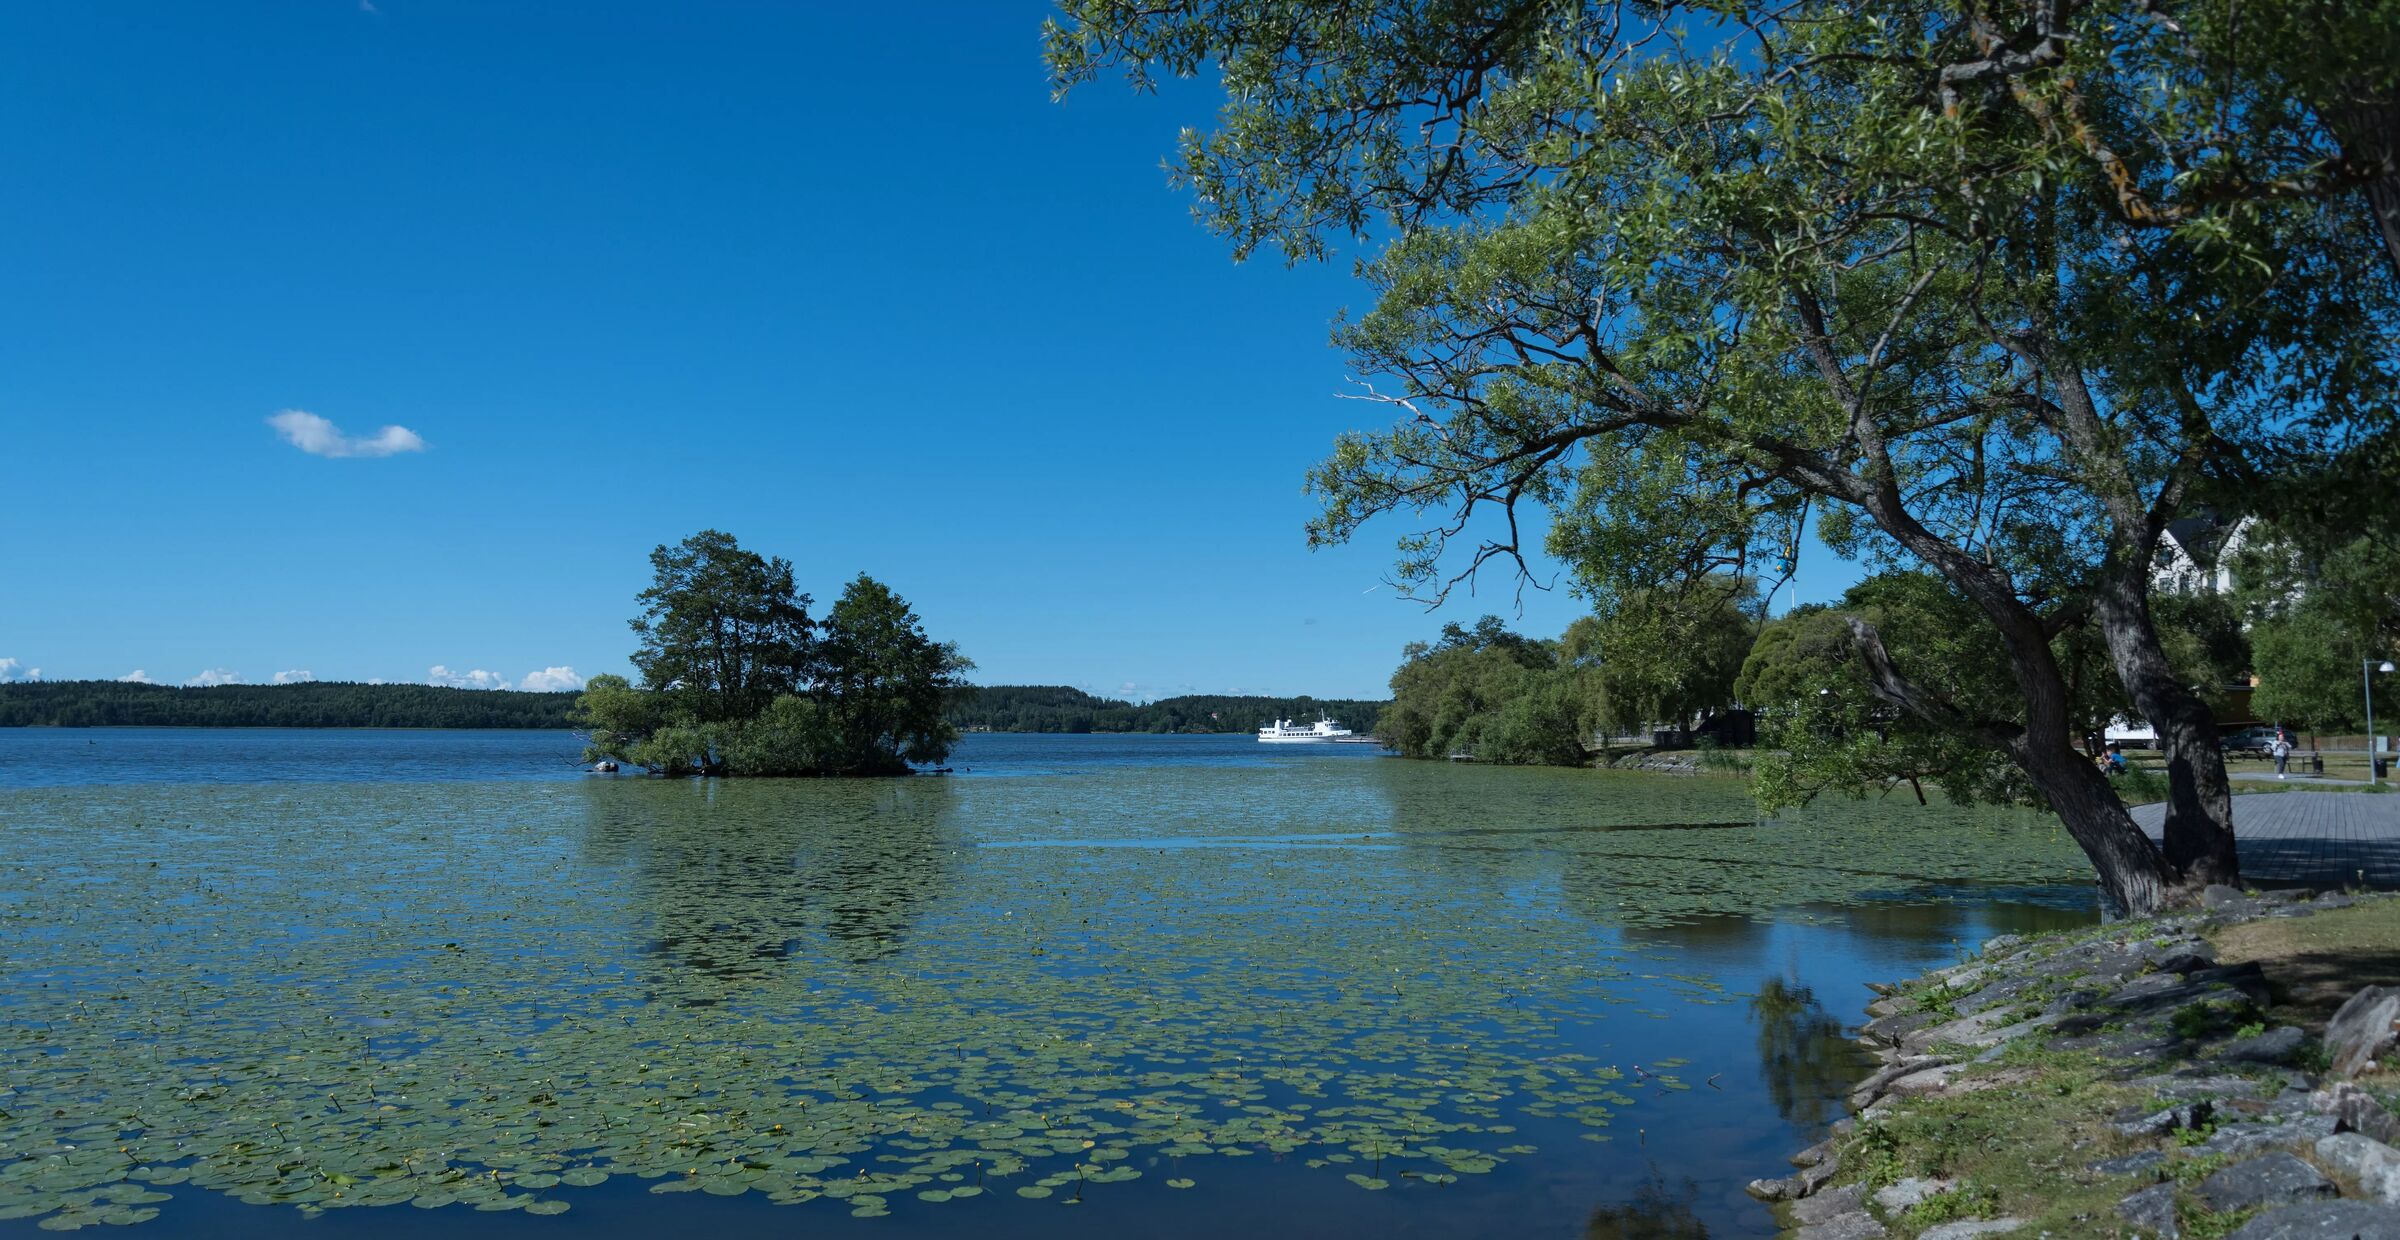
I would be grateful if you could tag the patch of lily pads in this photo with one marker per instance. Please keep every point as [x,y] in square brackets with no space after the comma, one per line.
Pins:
[486,997]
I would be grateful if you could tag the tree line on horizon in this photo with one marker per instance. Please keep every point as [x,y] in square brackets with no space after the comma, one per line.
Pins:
[310,704]
[1059,708]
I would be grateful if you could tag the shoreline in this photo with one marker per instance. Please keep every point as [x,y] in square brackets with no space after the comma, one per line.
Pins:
[2228,1070]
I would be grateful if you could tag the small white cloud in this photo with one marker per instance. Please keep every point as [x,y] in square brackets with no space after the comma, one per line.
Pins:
[213,677]
[10,669]
[550,680]
[136,677]
[295,676]
[319,437]
[477,679]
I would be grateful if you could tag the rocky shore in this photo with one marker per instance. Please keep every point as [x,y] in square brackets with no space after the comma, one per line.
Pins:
[2189,1076]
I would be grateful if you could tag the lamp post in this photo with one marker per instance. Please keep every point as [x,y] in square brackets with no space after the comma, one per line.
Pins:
[2366,684]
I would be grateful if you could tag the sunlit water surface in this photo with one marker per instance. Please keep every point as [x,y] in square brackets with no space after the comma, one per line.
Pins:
[358,983]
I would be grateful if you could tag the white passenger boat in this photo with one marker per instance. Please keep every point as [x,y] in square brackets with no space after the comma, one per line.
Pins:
[1285,732]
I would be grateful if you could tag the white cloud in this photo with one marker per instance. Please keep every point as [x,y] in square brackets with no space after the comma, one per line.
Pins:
[295,676]
[136,677]
[319,437]
[477,679]
[214,676]
[10,669]
[550,680]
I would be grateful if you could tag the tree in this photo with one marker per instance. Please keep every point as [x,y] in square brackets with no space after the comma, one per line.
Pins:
[2318,606]
[722,629]
[1490,693]
[738,680]
[1849,260]
[884,683]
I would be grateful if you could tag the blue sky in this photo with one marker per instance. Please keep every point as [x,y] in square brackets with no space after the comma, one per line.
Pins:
[844,282]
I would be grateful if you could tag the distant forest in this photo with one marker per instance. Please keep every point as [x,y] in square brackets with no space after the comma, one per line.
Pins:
[314,704]
[339,704]
[1057,708]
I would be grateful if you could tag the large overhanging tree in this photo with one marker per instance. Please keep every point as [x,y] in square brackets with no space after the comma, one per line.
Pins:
[1683,277]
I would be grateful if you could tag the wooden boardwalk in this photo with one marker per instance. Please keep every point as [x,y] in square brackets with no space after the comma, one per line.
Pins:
[2310,839]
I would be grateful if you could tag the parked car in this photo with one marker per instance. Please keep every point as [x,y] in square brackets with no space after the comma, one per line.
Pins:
[2249,742]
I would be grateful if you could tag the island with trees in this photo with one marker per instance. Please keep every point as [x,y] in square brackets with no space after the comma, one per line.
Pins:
[738,679]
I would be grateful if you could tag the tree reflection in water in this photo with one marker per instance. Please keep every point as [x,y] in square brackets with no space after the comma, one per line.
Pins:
[1807,1061]
[739,877]
[1656,1212]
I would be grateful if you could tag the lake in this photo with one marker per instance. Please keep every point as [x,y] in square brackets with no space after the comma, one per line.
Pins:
[1083,986]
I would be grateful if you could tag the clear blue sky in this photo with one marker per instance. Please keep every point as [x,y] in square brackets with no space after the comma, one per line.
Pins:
[842,280]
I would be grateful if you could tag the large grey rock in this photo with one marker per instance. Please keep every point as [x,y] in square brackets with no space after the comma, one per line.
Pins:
[2267,1180]
[1908,1191]
[1855,1226]
[2298,1132]
[2373,1164]
[1780,1188]
[2324,1220]
[1848,1199]
[2273,1046]
[2356,1110]
[1968,1229]
[2152,1211]
[2362,1030]
[2185,1088]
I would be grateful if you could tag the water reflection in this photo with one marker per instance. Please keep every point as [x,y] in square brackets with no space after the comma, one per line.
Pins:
[1807,1062]
[738,878]
[1656,1212]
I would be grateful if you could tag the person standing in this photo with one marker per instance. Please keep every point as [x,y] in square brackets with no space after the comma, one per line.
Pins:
[2282,751]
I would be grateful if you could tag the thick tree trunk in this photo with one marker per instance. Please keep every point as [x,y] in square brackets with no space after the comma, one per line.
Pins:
[2131,873]
[2199,827]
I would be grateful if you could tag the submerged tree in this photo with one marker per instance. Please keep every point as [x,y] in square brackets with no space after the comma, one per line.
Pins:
[1874,263]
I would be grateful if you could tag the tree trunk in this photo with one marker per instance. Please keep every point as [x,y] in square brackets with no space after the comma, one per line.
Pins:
[2199,828]
[2131,872]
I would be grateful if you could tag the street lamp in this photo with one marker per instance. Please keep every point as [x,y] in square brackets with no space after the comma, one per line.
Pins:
[2366,683]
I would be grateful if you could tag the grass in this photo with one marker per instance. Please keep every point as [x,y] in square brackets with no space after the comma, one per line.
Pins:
[2314,963]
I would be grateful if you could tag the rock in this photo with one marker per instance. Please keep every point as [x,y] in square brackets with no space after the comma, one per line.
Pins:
[2175,1118]
[1815,1154]
[2002,943]
[2362,1029]
[1966,1229]
[2185,1088]
[2131,1164]
[1783,1188]
[2302,1132]
[2355,1110]
[1848,1199]
[2273,1046]
[2268,1180]
[2324,1220]
[2218,895]
[2373,1164]
[1856,1226]
[1926,1081]
[2333,899]
[2152,1211]
[1814,1177]
[1908,1192]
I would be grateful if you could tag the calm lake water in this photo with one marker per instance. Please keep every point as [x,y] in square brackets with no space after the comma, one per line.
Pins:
[363,983]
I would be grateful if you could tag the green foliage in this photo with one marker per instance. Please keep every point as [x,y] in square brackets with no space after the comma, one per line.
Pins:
[1492,694]
[739,681]
[723,630]
[2318,607]
[1058,708]
[314,704]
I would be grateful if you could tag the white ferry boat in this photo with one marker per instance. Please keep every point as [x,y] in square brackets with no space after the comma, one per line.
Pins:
[1285,732]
